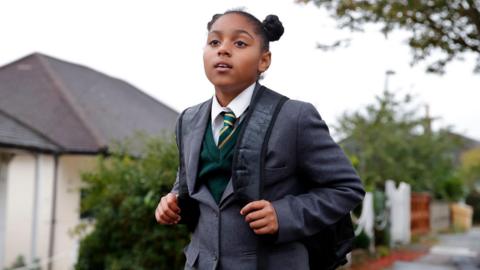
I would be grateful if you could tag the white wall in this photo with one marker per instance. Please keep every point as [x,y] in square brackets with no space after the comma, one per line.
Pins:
[68,207]
[19,209]
[19,206]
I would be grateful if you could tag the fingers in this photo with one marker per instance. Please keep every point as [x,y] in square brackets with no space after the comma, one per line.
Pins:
[267,225]
[165,221]
[261,217]
[172,202]
[257,224]
[159,215]
[255,205]
[265,230]
[167,211]
[255,215]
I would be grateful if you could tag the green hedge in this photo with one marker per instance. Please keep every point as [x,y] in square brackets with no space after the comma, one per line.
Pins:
[120,198]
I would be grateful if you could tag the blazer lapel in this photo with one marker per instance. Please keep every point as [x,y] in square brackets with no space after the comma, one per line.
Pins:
[195,141]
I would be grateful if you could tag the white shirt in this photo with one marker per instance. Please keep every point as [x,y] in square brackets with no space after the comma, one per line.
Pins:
[238,106]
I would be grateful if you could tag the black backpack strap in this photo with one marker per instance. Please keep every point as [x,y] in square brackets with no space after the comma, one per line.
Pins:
[263,153]
[262,254]
[249,158]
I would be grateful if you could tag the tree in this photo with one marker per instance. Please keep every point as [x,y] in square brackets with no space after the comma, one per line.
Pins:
[451,27]
[121,195]
[470,167]
[390,141]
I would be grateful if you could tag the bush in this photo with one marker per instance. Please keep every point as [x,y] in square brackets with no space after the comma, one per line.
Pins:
[453,189]
[121,196]
[361,241]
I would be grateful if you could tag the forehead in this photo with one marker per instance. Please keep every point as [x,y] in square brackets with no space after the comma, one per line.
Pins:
[232,22]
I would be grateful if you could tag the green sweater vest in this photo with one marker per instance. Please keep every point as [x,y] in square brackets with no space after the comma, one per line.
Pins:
[215,167]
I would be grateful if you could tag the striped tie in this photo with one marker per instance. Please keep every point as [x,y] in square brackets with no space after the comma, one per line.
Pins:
[228,129]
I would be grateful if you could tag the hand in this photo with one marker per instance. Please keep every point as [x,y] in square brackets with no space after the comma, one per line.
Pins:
[167,211]
[261,217]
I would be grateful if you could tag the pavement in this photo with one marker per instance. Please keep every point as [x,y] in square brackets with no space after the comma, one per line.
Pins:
[459,251]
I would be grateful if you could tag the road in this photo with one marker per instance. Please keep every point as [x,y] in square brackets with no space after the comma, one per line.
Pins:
[459,251]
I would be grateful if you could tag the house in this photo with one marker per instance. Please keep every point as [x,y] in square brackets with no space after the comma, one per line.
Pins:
[55,118]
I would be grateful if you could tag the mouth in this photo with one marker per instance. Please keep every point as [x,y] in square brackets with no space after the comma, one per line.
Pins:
[222,66]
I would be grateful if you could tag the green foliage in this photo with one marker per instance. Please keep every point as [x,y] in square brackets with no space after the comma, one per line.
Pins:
[389,141]
[361,241]
[453,188]
[381,228]
[121,196]
[470,168]
[470,171]
[451,27]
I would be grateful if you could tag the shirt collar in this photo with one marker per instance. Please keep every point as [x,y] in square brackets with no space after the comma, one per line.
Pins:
[238,105]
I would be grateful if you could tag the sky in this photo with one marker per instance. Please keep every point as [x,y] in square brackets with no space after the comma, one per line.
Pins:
[157,46]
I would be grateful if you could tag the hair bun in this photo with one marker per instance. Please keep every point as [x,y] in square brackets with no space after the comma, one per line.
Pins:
[273,27]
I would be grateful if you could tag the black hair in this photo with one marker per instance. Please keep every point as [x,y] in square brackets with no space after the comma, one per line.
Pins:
[271,29]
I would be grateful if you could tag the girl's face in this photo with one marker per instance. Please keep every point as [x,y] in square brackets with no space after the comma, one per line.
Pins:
[233,57]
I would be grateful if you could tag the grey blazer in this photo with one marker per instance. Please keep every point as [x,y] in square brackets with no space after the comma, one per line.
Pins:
[308,179]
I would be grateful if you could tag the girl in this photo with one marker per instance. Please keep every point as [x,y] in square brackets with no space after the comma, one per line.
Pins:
[308,183]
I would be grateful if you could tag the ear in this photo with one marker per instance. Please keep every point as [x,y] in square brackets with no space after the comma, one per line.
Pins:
[265,60]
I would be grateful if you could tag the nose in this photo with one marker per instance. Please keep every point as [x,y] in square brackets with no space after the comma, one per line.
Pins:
[224,50]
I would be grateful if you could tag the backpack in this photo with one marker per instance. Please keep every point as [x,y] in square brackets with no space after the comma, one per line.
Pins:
[328,248]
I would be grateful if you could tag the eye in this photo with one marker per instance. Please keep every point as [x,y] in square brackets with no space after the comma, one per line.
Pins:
[213,42]
[240,44]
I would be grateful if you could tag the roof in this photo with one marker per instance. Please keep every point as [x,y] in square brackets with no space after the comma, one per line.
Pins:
[17,134]
[54,105]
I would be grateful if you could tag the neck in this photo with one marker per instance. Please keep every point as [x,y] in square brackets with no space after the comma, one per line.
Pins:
[226,94]
[225,97]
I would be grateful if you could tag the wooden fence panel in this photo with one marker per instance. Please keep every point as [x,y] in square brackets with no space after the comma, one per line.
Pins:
[420,218]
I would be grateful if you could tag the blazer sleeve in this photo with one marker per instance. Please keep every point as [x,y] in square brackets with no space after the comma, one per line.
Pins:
[178,133]
[175,185]
[334,186]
